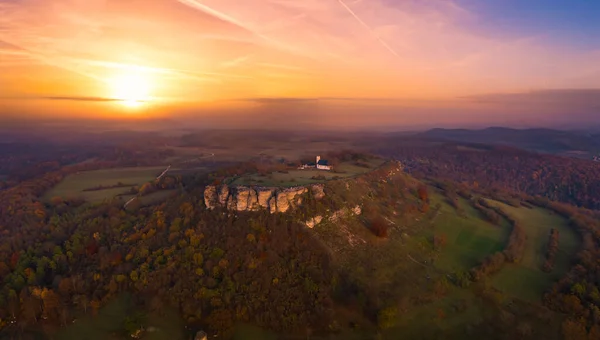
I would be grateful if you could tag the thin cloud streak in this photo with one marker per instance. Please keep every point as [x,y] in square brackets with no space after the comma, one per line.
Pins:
[364,24]
[209,50]
[223,16]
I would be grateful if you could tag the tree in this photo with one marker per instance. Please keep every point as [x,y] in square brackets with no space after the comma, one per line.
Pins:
[13,303]
[65,286]
[82,301]
[574,329]
[379,227]
[51,303]
[422,193]
[31,308]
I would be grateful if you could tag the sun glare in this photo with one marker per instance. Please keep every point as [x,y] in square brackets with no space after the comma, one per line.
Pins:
[131,88]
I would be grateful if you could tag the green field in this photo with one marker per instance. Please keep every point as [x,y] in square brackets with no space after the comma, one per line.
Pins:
[417,323]
[108,323]
[469,238]
[304,177]
[73,185]
[526,280]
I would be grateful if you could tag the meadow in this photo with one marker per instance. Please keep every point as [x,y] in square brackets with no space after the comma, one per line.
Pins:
[73,186]
[526,280]
[519,287]
[110,319]
[307,176]
[469,238]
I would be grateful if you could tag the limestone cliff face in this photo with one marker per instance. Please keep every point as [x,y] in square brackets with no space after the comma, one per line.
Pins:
[223,195]
[243,198]
[211,198]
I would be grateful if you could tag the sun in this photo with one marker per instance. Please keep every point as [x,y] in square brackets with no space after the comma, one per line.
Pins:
[131,88]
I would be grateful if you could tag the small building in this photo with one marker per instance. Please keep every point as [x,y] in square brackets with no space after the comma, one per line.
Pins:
[319,163]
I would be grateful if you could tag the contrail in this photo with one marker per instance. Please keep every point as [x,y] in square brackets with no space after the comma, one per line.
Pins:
[227,18]
[364,24]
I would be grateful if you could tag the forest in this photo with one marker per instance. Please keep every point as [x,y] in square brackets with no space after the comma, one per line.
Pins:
[569,180]
[60,259]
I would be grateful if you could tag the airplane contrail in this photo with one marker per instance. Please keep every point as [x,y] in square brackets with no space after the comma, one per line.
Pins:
[227,18]
[364,24]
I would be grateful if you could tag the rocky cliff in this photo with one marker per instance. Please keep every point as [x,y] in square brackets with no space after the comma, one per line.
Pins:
[242,198]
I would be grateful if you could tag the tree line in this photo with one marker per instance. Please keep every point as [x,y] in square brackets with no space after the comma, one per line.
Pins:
[512,253]
[551,250]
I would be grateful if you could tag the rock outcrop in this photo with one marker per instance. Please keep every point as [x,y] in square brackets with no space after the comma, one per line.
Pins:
[211,198]
[311,223]
[223,195]
[318,191]
[264,197]
[242,198]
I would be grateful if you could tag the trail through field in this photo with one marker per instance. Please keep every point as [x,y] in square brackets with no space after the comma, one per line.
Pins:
[415,261]
[163,173]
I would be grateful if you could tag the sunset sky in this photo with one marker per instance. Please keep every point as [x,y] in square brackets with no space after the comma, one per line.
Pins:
[405,60]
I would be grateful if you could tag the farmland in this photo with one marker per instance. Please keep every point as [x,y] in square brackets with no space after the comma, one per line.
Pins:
[225,146]
[74,186]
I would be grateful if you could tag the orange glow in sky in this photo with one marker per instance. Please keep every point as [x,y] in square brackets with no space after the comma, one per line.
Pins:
[186,52]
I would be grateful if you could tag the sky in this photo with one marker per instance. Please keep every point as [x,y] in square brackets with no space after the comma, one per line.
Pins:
[354,62]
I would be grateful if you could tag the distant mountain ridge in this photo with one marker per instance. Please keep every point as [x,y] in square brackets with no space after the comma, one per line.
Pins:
[536,139]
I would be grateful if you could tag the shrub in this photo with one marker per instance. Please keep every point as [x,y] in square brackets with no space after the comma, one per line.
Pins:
[379,227]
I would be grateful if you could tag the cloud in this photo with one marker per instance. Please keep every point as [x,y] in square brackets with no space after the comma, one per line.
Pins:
[80,99]
[235,62]
[224,49]
[63,98]
[278,101]
[581,97]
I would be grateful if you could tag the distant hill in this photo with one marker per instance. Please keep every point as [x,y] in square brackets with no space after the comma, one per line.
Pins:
[541,140]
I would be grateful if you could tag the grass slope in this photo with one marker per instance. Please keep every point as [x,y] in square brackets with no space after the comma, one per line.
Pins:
[73,185]
[108,323]
[469,238]
[526,280]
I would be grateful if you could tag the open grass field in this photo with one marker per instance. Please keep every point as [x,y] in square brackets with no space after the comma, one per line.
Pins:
[526,280]
[108,323]
[456,310]
[304,177]
[469,238]
[73,185]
